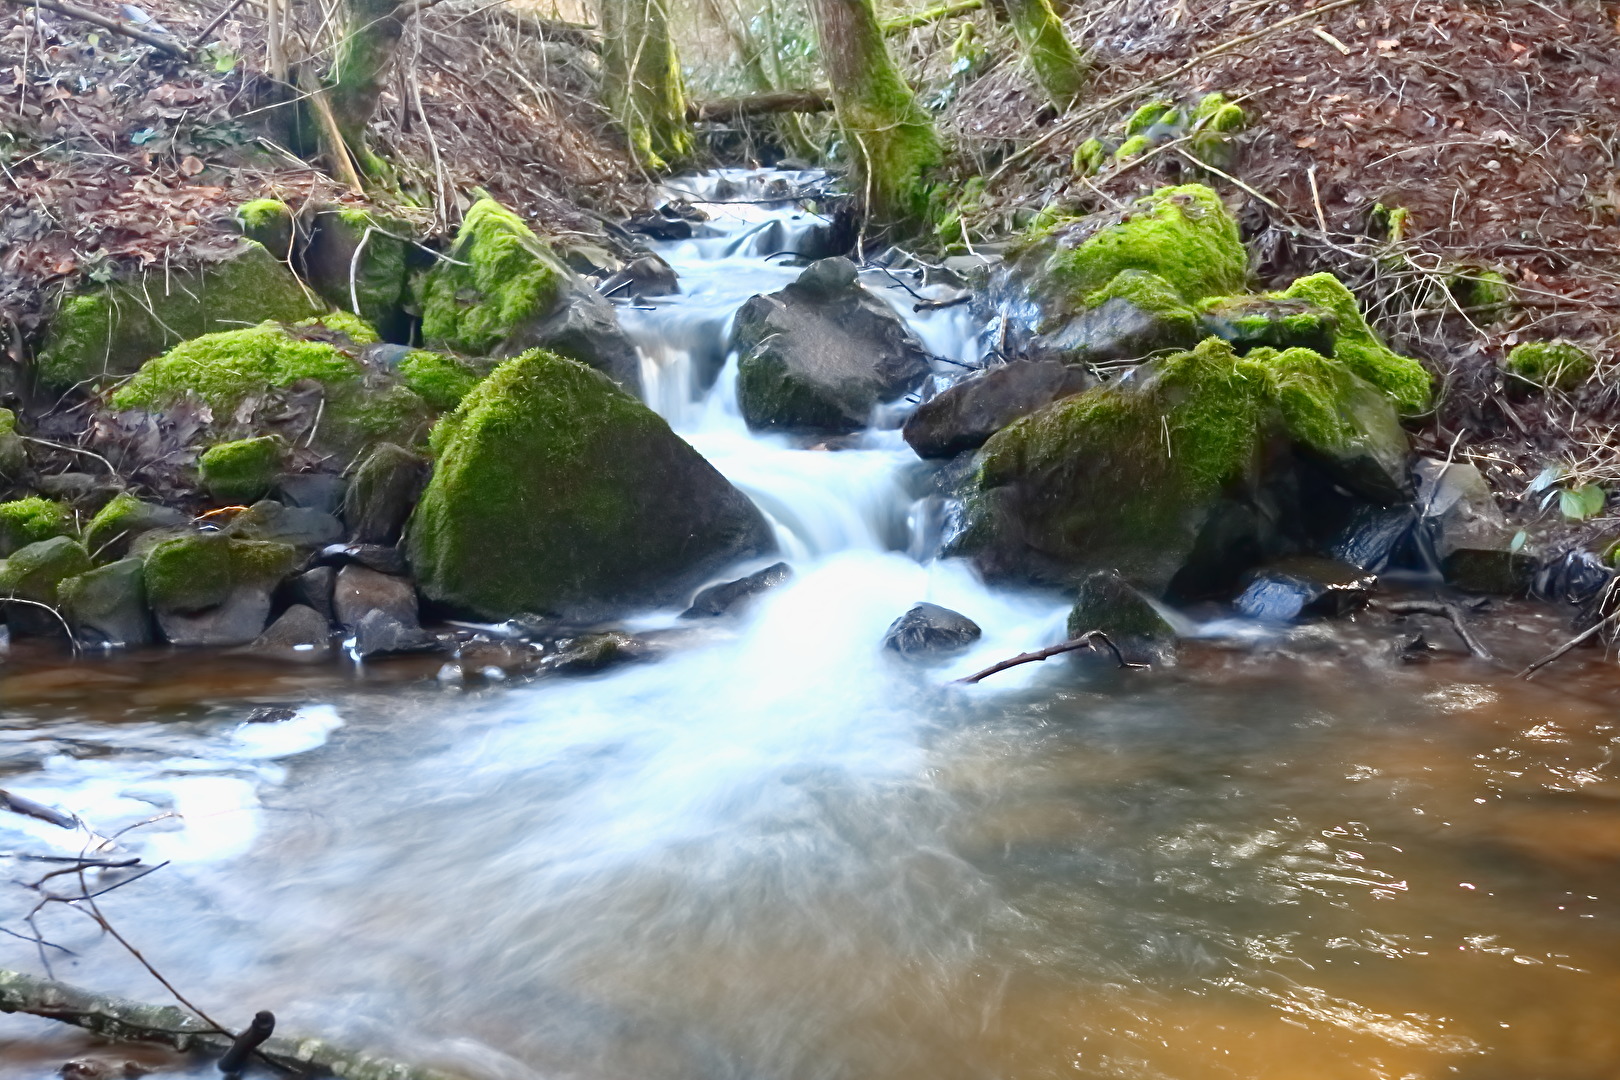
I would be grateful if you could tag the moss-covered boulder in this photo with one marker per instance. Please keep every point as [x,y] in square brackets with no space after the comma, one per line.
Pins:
[1251,322]
[305,384]
[108,605]
[1106,601]
[28,521]
[242,471]
[189,573]
[13,451]
[437,378]
[1161,475]
[554,492]
[269,223]
[34,572]
[114,329]
[355,255]
[1549,365]
[1183,236]
[819,355]
[502,290]
[209,589]
[125,517]
[1359,348]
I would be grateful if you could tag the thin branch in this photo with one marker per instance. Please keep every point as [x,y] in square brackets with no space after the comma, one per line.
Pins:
[1088,640]
[160,42]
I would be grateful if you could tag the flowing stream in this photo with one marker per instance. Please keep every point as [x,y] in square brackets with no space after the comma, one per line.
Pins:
[778,854]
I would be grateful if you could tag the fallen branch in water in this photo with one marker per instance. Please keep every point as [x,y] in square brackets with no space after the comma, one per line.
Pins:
[1448,612]
[169,1025]
[1584,635]
[29,808]
[1088,640]
[160,42]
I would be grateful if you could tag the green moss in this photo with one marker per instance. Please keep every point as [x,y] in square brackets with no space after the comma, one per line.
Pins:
[1089,157]
[1057,67]
[1177,322]
[1154,112]
[1485,294]
[224,368]
[123,518]
[1135,146]
[112,330]
[13,453]
[34,572]
[28,521]
[350,326]
[356,256]
[497,274]
[1557,365]
[189,573]
[553,490]
[1215,113]
[1358,348]
[241,471]
[261,561]
[440,380]
[268,222]
[1250,322]
[1182,234]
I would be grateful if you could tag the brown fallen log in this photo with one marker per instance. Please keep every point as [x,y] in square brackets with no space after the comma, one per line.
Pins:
[778,101]
[160,42]
[169,1025]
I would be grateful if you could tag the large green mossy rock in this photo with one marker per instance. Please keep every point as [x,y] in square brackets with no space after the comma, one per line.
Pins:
[502,290]
[556,493]
[1159,475]
[1183,235]
[114,329]
[1359,348]
[242,471]
[34,572]
[28,521]
[299,383]
[108,605]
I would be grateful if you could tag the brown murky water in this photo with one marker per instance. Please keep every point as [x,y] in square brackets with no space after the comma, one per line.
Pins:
[1310,865]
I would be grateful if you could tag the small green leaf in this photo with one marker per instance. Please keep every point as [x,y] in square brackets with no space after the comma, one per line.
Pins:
[1578,504]
[1518,541]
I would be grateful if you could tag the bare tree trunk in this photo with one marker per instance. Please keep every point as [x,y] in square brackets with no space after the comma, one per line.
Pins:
[641,80]
[360,70]
[891,137]
[1056,65]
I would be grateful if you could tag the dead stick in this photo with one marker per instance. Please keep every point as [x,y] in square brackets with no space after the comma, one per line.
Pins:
[1584,635]
[214,25]
[1088,640]
[338,149]
[117,26]
[1448,612]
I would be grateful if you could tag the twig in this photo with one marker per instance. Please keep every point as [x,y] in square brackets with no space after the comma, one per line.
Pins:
[1448,612]
[66,629]
[939,305]
[29,808]
[118,26]
[214,23]
[1584,635]
[1088,640]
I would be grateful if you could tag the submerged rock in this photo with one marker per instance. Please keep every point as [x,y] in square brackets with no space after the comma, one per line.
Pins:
[729,596]
[114,329]
[556,493]
[965,415]
[819,355]
[928,630]
[503,290]
[1291,588]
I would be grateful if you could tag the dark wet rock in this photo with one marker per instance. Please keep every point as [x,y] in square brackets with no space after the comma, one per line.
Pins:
[656,226]
[358,254]
[1300,586]
[379,557]
[646,276]
[380,634]
[730,596]
[593,652]
[313,491]
[818,356]
[928,630]
[270,714]
[583,326]
[1372,536]
[1107,602]
[313,588]
[1250,322]
[965,415]
[1574,577]
[108,605]
[1126,327]
[299,629]
[116,525]
[302,528]
[34,573]
[90,491]
[236,621]
[383,493]
[556,493]
[360,590]
[1471,538]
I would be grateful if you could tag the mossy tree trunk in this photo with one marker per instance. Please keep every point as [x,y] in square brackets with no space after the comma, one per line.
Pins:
[1057,66]
[892,139]
[364,59]
[641,80]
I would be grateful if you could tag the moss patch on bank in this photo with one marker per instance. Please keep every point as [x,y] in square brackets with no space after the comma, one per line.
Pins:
[497,274]
[1359,348]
